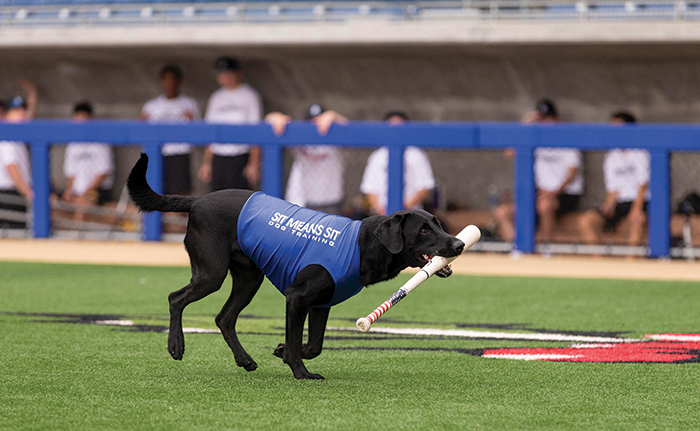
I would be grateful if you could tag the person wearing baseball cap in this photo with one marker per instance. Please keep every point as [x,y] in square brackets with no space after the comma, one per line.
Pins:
[316,178]
[15,172]
[558,179]
[172,106]
[228,166]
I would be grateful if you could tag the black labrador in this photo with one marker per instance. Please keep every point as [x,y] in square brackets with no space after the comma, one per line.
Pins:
[387,245]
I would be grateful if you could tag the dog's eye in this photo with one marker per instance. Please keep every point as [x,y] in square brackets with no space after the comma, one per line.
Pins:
[423,231]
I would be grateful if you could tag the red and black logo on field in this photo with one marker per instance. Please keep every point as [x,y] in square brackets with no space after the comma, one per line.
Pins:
[654,348]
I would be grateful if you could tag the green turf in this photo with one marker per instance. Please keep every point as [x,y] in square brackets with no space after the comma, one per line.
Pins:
[56,375]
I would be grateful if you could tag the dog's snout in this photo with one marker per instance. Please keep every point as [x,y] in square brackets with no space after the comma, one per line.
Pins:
[458,245]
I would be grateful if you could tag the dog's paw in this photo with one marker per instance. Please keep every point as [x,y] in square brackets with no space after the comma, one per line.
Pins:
[247,364]
[309,376]
[279,351]
[444,272]
[176,348]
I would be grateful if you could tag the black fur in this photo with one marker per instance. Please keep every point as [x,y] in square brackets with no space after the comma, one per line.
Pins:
[388,244]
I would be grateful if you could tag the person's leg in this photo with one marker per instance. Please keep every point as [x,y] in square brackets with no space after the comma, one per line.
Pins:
[227,172]
[590,224]
[547,206]
[504,220]
[638,221]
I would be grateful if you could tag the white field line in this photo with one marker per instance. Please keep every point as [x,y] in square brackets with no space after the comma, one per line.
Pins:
[674,337]
[534,357]
[493,335]
[130,323]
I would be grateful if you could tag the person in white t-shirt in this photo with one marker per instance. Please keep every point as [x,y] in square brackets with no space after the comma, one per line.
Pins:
[15,170]
[231,166]
[316,178]
[418,178]
[558,179]
[626,175]
[88,167]
[173,107]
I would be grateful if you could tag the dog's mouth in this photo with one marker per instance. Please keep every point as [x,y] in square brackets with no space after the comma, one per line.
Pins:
[423,258]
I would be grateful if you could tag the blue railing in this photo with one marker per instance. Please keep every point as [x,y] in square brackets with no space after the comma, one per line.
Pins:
[659,140]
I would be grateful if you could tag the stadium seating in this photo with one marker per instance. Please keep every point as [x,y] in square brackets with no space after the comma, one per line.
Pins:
[93,12]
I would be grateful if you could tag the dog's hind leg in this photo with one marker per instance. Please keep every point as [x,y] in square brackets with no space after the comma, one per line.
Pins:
[246,282]
[209,269]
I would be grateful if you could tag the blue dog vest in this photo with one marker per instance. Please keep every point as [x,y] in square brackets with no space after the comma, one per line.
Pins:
[283,238]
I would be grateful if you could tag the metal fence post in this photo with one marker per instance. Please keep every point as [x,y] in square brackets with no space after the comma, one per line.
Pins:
[272,169]
[659,206]
[41,179]
[152,227]
[524,199]
[395,179]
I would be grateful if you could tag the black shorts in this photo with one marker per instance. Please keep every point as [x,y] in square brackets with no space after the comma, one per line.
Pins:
[11,224]
[622,209]
[567,203]
[103,196]
[176,174]
[227,172]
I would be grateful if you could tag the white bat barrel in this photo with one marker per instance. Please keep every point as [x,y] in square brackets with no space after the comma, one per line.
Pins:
[469,236]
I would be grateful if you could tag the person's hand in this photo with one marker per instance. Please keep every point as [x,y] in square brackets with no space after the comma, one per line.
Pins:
[28,87]
[607,209]
[509,153]
[278,121]
[204,173]
[252,173]
[531,117]
[189,115]
[324,121]
[67,195]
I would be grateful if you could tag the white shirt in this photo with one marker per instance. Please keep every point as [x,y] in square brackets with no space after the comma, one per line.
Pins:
[86,161]
[625,172]
[162,109]
[239,106]
[417,174]
[316,178]
[13,153]
[552,168]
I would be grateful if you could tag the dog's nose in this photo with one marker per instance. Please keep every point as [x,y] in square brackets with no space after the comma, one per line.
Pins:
[458,245]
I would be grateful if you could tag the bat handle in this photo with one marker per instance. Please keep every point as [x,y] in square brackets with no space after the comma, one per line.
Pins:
[365,323]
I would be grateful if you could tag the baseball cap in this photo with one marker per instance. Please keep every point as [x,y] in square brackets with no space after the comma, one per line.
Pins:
[314,111]
[17,102]
[546,108]
[226,64]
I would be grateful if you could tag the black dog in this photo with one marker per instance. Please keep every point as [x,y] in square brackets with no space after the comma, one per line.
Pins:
[387,245]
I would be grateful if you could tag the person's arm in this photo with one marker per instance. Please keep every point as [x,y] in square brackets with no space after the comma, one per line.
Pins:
[96,183]
[324,121]
[20,184]
[143,116]
[32,97]
[570,177]
[417,198]
[251,172]
[638,204]
[608,207]
[374,204]
[205,170]
[68,192]
[278,121]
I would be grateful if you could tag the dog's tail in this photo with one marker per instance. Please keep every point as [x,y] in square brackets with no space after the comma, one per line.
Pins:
[146,199]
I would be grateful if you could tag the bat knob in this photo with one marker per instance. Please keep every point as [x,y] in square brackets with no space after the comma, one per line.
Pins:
[363,324]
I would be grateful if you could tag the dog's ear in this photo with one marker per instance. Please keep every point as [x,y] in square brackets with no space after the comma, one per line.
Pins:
[389,233]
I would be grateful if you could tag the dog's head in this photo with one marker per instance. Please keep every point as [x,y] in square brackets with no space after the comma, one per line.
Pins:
[418,236]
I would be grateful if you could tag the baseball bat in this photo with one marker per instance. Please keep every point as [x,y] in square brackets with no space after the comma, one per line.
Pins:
[469,236]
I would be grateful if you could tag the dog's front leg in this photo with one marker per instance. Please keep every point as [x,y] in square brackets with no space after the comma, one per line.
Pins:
[313,286]
[317,329]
